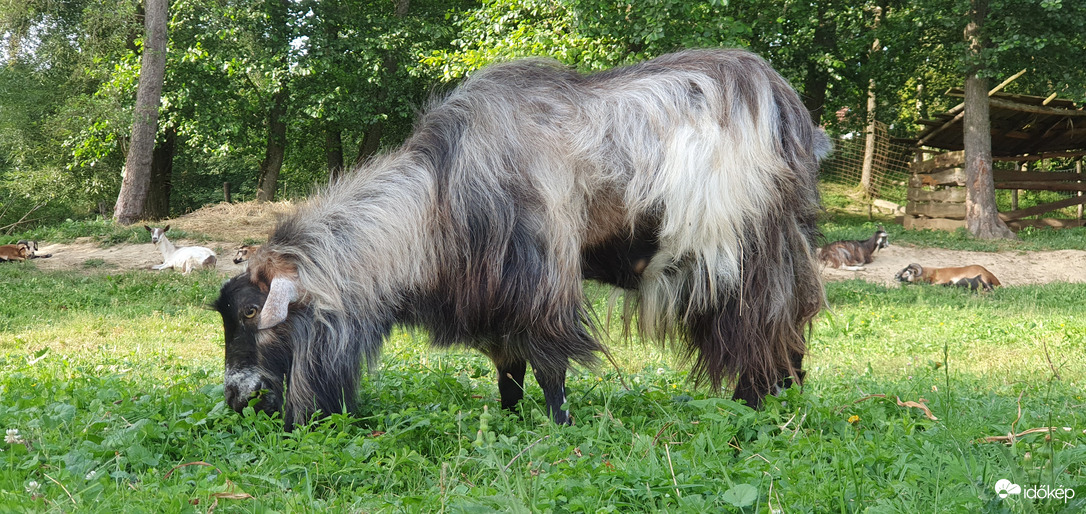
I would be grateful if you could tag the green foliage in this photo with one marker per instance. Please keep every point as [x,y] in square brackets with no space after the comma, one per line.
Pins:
[588,34]
[360,69]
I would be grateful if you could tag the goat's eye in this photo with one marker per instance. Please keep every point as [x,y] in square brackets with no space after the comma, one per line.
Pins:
[250,312]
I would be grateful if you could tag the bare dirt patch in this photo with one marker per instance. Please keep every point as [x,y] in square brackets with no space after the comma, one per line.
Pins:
[1012,268]
[228,226]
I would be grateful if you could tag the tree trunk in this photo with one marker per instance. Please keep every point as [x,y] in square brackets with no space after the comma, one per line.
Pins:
[137,166]
[981,215]
[867,180]
[333,152]
[818,77]
[158,197]
[371,141]
[276,149]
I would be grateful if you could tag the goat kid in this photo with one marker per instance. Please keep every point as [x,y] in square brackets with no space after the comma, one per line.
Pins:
[974,276]
[16,252]
[852,255]
[185,258]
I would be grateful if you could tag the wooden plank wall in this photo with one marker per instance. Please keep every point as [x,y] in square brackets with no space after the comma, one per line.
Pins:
[936,195]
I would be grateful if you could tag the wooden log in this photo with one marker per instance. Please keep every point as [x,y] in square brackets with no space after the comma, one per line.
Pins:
[1039,157]
[1045,223]
[1041,186]
[942,178]
[1036,109]
[1038,176]
[914,223]
[942,162]
[936,210]
[1043,208]
[949,195]
[888,206]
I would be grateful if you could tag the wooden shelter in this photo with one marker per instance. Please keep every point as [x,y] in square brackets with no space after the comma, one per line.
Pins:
[1025,130]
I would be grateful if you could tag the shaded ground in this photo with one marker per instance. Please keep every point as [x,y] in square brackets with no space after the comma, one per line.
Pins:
[230,225]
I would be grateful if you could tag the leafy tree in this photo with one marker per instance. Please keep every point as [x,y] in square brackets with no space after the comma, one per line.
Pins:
[53,55]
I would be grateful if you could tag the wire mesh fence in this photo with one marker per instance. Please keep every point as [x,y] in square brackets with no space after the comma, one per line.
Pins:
[889,170]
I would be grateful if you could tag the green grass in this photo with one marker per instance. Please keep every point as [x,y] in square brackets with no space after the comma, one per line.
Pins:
[114,382]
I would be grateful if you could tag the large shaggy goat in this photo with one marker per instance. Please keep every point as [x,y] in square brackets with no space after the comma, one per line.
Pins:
[689,180]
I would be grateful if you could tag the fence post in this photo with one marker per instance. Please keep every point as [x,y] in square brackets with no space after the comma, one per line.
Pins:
[1018,166]
[1078,169]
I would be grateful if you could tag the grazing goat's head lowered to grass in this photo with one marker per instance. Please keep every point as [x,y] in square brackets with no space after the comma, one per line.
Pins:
[689,180]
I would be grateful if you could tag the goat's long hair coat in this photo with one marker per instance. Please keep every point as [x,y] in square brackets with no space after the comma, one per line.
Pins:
[689,180]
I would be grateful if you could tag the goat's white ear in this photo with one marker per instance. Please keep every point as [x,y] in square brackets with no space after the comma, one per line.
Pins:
[281,293]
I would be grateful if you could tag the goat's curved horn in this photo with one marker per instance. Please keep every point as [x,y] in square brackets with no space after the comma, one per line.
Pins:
[281,293]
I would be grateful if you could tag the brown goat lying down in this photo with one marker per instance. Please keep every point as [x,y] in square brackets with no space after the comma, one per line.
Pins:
[32,250]
[974,277]
[852,255]
[15,252]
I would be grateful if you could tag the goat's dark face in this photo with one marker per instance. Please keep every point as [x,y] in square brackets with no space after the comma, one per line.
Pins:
[882,239]
[253,367]
[911,273]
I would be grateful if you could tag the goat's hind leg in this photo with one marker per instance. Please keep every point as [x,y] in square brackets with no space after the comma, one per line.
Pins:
[553,382]
[510,377]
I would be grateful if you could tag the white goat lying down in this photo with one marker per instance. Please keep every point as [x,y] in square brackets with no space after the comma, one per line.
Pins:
[186,258]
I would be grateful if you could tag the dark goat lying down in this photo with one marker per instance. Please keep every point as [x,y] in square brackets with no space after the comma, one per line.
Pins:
[852,255]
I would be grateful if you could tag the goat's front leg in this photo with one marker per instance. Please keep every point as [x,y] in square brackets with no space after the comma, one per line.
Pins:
[160,266]
[510,377]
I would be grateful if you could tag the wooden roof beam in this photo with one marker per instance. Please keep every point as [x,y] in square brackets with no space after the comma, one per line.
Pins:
[1036,109]
[959,110]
